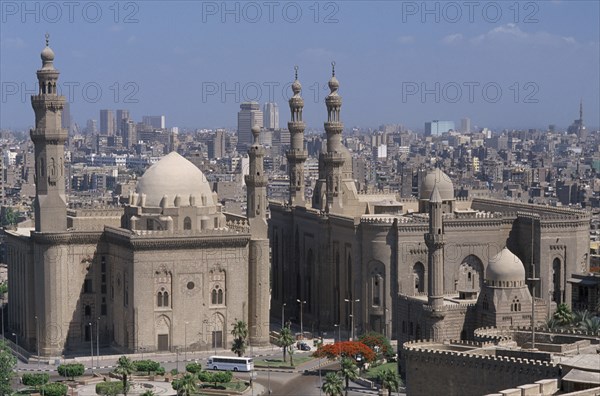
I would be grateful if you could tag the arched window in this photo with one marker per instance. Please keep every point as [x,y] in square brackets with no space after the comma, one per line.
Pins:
[419,277]
[162,298]
[220,296]
[217,295]
[214,297]
[166,299]
[159,299]
[486,303]
[556,276]
[516,305]
[187,223]
[88,311]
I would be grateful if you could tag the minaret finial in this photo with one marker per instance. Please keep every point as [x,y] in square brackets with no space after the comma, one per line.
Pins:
[333,69]
[581,108]
[47,39]
[296,72]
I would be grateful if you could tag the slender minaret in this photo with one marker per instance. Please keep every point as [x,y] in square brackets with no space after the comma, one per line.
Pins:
[296,155]
[258,266]
[435,243]
[49,138]
[333,159]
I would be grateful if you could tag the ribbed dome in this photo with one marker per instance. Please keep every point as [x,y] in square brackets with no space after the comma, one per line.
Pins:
[171,176]
[443,182]
[505,267]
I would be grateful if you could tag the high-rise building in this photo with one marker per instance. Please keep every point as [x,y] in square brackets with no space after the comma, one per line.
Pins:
[157,122]
[248,116]
[216,146]
[121,115]
[271,116]
[436,127]
[91,127]
[128,132]
[465,125]
[107,122]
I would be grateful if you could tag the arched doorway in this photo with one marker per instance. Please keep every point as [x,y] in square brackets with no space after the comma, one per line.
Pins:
[163,333]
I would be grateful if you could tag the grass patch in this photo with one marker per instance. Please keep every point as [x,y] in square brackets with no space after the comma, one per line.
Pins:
[239,386]
[274,363]
[372,372]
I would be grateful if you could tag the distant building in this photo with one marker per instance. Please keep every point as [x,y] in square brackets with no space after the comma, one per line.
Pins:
[436,127]
[107,122]
[465,125]
[91,127]
[216,146]
[121,115]
[157,122]
[577,127]
[248,116]
[271,116]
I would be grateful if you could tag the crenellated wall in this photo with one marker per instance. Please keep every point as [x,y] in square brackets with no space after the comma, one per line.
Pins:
[434,371]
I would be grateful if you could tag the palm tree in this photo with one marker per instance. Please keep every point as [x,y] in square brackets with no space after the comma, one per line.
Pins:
[240,333]
[348,371]
[333,384]
[390,380]
[124,368]
[187,386]
[563,314]
[591,325]
[285,340]
[581,316]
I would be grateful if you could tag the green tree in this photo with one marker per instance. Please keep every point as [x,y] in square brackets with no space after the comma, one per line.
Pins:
[285,340]
[222,377]
[333,384]
[35,379]
[240,334]
[193,368]
[377,341]
[390,380]
[112,388]
[71,370]
[146,366]
[124,368]
[348,371]
[55,389]
[563,314]
[7,365]
[10,217]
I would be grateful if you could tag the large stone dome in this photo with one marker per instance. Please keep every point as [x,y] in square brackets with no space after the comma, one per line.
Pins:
[171,176]
[444,184]
[505,267]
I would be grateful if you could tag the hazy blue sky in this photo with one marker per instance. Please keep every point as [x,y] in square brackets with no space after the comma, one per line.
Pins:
[176,58]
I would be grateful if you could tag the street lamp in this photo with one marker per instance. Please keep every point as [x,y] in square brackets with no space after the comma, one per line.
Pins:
[91,346]
[301,309]
[37,338]
[17,353]
[282,316]
[98,340]
[352,314]
[339,326]
[185,341]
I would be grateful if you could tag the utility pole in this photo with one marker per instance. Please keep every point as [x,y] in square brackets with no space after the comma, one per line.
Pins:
[352,314]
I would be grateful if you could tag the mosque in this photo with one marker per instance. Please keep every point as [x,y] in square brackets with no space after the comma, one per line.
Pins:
[169,271]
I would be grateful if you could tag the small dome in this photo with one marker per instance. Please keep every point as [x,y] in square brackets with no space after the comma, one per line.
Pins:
[505,267]
[174,175]
[334,84]
[296,87]
[47,54]
[443,182]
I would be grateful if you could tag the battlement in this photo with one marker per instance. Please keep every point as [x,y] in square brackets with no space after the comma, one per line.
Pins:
[96,211]
[544,211]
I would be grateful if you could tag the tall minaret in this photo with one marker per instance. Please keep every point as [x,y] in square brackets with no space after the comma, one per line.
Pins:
[435,243]
[296,155]
[333,159]
[258,257]
[49,138]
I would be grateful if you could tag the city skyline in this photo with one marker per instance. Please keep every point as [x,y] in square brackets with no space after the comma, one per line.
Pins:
[415,65]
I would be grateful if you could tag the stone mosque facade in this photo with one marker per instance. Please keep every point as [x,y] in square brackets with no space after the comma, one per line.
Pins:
[434,267]
[168,271]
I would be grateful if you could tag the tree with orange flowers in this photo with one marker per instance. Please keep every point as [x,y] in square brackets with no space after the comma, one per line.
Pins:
[349,349]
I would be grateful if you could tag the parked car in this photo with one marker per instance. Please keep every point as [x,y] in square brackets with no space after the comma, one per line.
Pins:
[303,346]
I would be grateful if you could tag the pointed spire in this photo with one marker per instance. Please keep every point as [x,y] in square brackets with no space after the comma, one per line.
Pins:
[581,109]
[47,39]
[333,69]
[435,195]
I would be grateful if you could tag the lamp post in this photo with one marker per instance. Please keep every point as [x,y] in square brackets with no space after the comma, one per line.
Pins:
[282,316]
[339,331]
[352,314]
[98,341]
[185,341]
[301,310]
[37,339]
[17,353]
[91,346]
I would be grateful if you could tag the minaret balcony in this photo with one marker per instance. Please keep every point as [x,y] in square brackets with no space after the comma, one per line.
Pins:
[336,159]
[435,241]
[334,127]
[295,155]
[42,134]
[256,181]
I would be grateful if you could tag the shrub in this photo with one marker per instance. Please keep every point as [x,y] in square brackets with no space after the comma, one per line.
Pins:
[71,370]
[35,379]
[55,389]
[160,371]
[193,368]
[174,371]
[109,388]
[146,365]
[205,376]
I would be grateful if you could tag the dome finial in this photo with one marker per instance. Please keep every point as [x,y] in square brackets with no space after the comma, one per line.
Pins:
[333,69]
[296,72]
[47,39]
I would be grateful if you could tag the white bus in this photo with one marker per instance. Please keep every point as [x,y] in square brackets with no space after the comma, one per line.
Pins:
[230,363]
